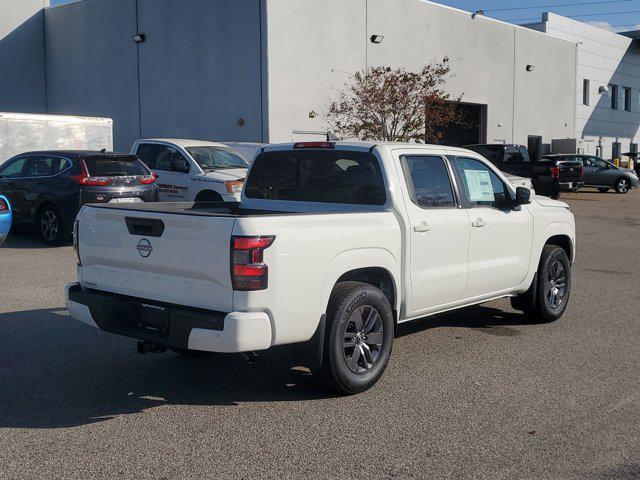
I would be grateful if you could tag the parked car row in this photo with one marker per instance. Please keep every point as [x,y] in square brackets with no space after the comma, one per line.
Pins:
[601,174]
[47,188]
[556,173]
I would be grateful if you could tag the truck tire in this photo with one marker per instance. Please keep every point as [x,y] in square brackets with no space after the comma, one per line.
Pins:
[547,299]
[208,196]
[358,338]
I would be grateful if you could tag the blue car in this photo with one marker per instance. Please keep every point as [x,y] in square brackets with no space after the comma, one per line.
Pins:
[5,218]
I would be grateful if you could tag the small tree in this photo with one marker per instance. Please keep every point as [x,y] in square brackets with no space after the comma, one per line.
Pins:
[395,105]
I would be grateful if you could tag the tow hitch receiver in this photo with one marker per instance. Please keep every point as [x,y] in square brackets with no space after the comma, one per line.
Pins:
[150,347]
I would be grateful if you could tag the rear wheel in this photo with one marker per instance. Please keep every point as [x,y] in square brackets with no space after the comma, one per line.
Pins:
[548,297]
[623,185]
[50,225]
[208,196]
[603,190]
[358,338]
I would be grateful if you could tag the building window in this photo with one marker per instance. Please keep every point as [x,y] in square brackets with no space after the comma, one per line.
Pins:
[627,99]
[585,92]
[615,150]
[613,89]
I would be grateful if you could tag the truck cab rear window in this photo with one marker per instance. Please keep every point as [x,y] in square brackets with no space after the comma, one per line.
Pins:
[327,176]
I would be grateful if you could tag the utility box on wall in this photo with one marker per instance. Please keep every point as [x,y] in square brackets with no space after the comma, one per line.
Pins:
[573,145]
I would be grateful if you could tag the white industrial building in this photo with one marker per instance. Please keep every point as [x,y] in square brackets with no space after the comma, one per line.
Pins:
[608,84]
[266,70]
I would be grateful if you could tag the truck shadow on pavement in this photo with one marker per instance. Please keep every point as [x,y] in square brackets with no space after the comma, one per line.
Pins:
[26,239]
[58,373]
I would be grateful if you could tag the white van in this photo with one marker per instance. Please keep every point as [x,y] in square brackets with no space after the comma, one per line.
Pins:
[193,170]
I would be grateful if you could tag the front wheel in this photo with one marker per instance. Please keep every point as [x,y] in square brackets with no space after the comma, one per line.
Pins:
[50,225]
[547,300]
[623,185]
[358,338]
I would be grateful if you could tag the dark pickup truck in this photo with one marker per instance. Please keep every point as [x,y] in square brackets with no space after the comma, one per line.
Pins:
[549,176]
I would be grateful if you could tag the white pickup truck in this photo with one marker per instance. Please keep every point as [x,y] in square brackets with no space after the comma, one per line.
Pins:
[193,170]
[331,247]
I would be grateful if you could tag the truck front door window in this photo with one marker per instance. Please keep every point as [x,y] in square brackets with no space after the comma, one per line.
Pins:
[481,185]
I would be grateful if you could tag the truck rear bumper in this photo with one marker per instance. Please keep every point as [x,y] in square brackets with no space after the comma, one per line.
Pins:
[571,186]
[171,325]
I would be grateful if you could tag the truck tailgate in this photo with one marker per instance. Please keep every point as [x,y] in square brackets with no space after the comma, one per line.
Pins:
[570,170]
[153,255]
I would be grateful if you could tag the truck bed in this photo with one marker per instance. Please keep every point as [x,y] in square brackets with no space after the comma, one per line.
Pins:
[205,209]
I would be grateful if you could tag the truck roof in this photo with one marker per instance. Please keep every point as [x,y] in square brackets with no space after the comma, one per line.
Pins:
[367,145]
[78,153]
[184,142]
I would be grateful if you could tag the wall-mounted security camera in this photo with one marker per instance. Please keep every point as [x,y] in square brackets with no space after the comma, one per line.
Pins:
[377,38]
[530,68]
[139,38]
[476,13]
[603,89]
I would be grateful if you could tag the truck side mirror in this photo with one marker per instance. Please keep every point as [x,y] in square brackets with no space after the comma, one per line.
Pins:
[181,166]
[523,196]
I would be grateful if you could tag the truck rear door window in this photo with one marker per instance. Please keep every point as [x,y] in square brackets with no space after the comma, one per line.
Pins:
[327,176]
[428,181]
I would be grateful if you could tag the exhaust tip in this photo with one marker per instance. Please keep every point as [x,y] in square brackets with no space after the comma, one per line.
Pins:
[150,347]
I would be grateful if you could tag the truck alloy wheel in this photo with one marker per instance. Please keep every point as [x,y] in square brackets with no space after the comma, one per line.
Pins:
[556,284]
[363,339]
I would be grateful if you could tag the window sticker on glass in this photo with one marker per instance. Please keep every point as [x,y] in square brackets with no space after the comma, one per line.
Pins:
[479,184]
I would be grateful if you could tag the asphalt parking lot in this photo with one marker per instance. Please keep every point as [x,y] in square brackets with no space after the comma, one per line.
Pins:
[477,393]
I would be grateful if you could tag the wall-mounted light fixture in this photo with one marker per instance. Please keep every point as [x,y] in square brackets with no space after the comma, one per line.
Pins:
[376,38]
[241,122]
[139,37]
[312,114]
[530,68]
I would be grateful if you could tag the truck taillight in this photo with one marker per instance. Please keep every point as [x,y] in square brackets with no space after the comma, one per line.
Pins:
[76,241]
[248,271]
[555,171]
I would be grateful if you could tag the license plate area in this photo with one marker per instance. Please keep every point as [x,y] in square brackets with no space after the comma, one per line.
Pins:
[154,317]
[126,200]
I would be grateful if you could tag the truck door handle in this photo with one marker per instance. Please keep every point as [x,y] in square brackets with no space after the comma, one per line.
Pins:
[478,222]
[423,227]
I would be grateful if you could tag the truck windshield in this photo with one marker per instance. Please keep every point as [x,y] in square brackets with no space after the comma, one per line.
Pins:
[124,166]
[327,176]
[490,152]
[215,158]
